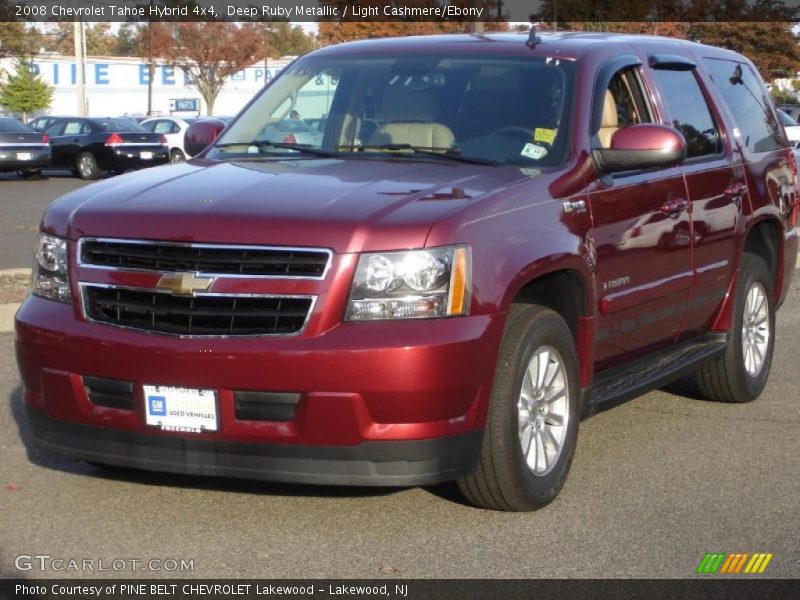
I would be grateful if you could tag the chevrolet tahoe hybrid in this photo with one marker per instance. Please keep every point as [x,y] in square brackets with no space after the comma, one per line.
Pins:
[491,238]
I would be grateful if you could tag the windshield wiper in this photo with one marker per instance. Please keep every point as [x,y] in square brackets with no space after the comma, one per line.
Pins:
[303,148]
[448,153]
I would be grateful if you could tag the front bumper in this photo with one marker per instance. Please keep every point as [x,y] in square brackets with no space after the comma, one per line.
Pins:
[399,463]
[386,403]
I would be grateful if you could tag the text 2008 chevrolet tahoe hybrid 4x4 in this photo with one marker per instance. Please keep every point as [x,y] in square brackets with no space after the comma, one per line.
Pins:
[490,237]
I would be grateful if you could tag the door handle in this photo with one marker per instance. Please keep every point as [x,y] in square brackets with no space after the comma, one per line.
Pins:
[76,140]
[674,207]
[735,192]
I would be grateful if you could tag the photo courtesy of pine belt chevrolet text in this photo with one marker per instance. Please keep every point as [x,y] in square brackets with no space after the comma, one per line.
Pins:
[418,260]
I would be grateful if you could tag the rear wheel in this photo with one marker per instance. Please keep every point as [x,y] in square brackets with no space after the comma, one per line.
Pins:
[176,156]
[741,373]
[532,425]
[30,173]
[86,166]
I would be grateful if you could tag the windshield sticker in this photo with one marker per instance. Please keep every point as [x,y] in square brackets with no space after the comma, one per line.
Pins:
[533,151]
[544,135]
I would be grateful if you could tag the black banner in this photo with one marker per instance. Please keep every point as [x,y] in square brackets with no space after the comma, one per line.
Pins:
[514,11]
[517,589]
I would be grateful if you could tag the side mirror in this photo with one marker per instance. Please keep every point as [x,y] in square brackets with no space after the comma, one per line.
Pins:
[201,134]
[644,146]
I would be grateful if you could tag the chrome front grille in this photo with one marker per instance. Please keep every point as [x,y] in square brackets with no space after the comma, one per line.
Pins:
[204,314]
[211,259]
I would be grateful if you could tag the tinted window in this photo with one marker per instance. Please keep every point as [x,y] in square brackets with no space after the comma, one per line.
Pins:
[689,111]
[749,104]
[54,129]
[12,125]
[160,127]
[118,125]
[75,128]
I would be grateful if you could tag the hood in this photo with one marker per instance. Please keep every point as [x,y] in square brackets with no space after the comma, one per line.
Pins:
[348,205]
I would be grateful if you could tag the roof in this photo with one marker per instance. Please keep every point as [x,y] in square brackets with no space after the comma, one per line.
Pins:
[568,43]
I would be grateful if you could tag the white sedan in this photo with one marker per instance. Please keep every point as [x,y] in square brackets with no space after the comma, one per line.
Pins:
[792,128]
[174,128]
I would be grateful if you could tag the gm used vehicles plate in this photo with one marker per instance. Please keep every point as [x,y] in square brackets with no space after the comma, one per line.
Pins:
[180,409]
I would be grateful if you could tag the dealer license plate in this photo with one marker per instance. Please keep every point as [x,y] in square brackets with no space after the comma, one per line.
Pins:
[146,155]
[180,409]
[24,156]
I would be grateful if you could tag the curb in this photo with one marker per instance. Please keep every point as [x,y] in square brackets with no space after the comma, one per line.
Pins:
[15,272]
[7,311]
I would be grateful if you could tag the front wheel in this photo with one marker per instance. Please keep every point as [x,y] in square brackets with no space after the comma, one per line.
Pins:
[534,413]
[740,374]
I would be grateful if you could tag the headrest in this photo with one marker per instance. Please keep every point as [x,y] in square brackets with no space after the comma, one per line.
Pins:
[610,117]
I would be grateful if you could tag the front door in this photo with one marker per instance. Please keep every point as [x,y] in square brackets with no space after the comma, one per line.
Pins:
[642,238]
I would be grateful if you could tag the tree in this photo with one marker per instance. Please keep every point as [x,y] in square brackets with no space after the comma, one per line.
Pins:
[128,37]
[285,39]
[771,46]
[15,38]
[25,92]
[210,52]
[100,41]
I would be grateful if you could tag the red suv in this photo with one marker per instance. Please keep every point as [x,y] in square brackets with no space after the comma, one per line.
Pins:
[490,238]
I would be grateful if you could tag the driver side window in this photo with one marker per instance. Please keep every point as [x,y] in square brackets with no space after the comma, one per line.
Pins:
[624,104]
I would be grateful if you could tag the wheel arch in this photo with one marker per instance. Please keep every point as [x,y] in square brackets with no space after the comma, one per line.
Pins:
[566,288]
[763,239]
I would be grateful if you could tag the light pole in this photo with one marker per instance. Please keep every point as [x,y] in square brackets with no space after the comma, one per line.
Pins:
[267,31]
[80,45]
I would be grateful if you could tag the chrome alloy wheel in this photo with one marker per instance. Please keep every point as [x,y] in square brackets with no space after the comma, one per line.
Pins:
[755,329]
[543,410]
[85,165]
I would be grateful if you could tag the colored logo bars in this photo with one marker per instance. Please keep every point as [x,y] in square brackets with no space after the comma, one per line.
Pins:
[735,563]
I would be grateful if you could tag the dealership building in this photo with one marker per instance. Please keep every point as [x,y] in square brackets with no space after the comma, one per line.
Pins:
[118,85]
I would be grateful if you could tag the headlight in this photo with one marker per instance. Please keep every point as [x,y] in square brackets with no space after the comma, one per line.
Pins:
[50,277]
[416,284]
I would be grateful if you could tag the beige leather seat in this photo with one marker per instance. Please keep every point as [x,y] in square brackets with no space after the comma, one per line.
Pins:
[428,135]
[408,115]
[610,121]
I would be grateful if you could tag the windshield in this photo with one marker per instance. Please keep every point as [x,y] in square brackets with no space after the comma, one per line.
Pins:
[505,110]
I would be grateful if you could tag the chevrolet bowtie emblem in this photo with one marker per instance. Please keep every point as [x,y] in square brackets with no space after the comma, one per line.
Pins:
[185,284]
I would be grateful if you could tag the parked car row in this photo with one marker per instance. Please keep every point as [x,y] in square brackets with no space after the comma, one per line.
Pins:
[90,146]
[22,148]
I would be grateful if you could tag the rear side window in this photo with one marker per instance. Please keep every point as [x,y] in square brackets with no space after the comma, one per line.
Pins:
[748,103]
[690,113]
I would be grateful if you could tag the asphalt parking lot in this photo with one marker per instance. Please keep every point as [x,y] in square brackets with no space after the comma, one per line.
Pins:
[656,483]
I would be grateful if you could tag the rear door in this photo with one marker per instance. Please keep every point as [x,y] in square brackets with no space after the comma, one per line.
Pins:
[641,234]
[715,181]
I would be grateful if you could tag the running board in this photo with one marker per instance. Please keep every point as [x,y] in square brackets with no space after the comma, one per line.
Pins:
[655,370]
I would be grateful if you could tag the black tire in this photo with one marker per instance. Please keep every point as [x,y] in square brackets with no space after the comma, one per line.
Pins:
[503,480]
[726,378]
[176,156]
[30,173]
[86,166]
